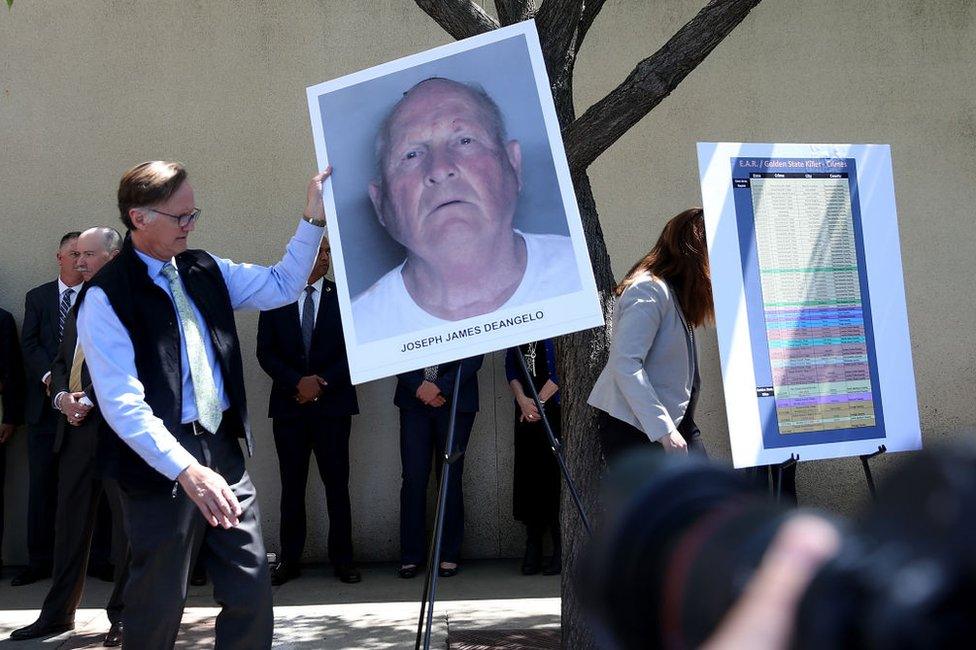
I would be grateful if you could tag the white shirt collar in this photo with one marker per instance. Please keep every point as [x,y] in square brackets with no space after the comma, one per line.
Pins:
[318,285]
[62,286]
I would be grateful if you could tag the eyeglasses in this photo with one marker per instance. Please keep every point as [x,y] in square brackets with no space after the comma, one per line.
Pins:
[182,220]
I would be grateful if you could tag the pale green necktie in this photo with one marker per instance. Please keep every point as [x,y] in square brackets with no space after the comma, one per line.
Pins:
[204,388]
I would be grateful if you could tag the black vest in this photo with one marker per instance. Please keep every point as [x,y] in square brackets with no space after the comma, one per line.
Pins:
[149,315]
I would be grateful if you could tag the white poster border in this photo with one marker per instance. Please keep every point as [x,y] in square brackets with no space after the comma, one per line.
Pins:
[884,273]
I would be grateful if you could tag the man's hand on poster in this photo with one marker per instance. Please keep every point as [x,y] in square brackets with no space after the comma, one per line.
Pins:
[309,389]
[430,394]
[530,412]
[6,432]
[315,209]
[72,408]
[211,494]
[674,443]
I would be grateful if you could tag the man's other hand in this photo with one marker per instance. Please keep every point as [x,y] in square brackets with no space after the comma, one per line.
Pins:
[75,411]
[309,389]
[210,492]
[315,209]
[6,432]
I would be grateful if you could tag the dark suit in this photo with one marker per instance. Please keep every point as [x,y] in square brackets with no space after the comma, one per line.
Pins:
[320,427]
[12,379]
[80,489]
[40,338]
[423,434]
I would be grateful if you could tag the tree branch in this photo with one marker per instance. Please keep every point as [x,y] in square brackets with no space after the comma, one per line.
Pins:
[590,11]
[652,80]
[558,23]
[514,11]
[459,18]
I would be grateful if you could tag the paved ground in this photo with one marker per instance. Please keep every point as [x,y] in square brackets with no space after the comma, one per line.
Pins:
[317,611]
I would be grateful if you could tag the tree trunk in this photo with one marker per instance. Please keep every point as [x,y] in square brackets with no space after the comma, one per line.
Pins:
[581,356]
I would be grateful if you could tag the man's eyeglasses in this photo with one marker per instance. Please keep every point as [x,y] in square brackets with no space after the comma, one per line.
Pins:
[182,220]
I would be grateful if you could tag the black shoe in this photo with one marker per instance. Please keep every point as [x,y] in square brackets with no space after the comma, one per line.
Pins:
[38,629]
[347,573]
[114,636]
[283,572]
[447,572]
[29,576]
[407,571]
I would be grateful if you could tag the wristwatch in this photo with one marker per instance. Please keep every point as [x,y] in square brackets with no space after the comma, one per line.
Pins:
[315,222]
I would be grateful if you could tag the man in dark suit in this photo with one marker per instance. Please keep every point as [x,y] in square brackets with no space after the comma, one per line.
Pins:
[80,487]
[424,397]
[45,310]
[11,395]
[312,403]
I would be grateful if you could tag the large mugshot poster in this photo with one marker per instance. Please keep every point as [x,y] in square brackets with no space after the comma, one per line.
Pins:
[451,213]
[809,300]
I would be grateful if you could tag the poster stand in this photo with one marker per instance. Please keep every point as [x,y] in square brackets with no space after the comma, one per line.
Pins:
[777,476]
[557,448]
[867,470]
[450,457]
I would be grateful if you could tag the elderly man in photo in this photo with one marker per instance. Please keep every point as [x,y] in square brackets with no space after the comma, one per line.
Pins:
[447,189]
[158,330]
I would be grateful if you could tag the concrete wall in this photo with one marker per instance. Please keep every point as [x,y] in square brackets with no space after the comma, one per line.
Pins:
[87,89]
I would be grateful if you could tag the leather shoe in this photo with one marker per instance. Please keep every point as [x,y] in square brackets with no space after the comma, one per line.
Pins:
[407,571]
[30,575]
[283,572]
[532,561]
[38,629]
[114,636]
[348,573]
[447,572]
[554,566]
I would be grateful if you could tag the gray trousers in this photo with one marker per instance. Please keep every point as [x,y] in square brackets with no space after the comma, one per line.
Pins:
[166,530]
[79,492]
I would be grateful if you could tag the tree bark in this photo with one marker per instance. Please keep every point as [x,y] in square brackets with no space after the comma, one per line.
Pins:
[514,11]
[459,18]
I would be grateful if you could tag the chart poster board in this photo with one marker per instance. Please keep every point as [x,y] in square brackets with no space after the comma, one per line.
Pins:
[448,168]
[809,300]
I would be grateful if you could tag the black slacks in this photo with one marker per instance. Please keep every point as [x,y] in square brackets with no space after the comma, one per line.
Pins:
[42,492]
[296,439]
[618,437]
[80,492]
[165,529]
[423,434]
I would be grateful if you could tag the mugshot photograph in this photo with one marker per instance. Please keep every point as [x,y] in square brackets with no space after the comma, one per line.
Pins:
[650,386]
[535,480]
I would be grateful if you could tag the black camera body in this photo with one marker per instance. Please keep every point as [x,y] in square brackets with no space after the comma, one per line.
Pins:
[682,537]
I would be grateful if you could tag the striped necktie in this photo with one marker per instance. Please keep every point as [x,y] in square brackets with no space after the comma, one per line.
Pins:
[204,388]
[65,307]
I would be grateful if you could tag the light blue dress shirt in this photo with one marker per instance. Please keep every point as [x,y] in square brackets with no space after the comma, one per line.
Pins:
[111,357]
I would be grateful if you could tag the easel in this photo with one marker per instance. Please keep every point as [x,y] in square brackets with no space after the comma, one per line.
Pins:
[450,457]
[776,473]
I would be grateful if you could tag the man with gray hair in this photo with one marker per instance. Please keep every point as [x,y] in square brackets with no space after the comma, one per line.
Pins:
[80,486]
[447,189]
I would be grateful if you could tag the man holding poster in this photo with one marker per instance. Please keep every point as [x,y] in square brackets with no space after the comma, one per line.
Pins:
[447,188]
